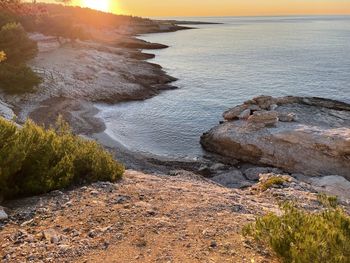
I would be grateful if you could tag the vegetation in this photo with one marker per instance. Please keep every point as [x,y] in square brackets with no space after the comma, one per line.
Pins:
[273,180]
[35,161]
[15,50]
[328,201]
[16,44]
[17,79]
[302,237]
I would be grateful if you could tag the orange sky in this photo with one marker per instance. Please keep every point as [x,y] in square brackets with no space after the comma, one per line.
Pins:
[219,7]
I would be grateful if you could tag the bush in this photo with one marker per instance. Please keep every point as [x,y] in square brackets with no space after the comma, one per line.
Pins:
[35,161]
[301,237]
[17,78]
[328,201]
[16,44]
[274,180]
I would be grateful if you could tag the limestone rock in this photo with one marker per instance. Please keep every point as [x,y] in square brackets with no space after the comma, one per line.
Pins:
[332,185]
[232,179]
[244,114]
[234,113]
[254,173]
[264,102]
[264,118]
[287,117]
[317,145]
[217,166]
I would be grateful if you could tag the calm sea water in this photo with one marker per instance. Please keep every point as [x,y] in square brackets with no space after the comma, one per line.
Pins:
[219,66]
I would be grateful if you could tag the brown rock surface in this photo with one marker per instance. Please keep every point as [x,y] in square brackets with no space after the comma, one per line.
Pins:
[144,218]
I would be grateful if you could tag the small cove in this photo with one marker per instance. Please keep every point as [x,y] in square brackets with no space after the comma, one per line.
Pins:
[219,66]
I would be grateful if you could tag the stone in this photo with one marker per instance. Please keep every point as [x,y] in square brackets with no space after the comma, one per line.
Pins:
[254,107]
[51,235]
[204,170]
[264,118]
[287,117]
[273,107]
[244,114]
[213,244]
[264,102]
[253,174]
[317,145]
[332,185]
[217,166]
[234,113]
[3,215]
[232,179]
[121,199]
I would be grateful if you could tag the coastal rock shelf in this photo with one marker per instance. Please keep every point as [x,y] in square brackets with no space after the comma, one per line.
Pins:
[303,135]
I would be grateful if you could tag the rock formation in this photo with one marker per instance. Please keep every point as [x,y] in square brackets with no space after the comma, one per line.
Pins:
[310,136]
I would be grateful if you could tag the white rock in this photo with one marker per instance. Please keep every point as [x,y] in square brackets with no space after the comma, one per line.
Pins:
[287,117]
[3,215]
[244,114]
[333,185]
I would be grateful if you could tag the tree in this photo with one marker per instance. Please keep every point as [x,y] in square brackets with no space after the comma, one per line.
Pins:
[16,44]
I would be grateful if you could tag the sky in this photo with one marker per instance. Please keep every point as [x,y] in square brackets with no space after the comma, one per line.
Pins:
[219,7]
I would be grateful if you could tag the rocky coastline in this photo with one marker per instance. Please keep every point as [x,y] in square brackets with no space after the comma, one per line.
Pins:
[307,138]
[174,210]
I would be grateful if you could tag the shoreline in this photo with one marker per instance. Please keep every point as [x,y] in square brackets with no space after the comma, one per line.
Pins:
[69,90]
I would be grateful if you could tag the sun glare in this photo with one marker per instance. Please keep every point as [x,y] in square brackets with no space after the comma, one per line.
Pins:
[101,5]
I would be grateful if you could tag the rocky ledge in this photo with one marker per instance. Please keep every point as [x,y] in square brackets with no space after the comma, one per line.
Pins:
[309,136]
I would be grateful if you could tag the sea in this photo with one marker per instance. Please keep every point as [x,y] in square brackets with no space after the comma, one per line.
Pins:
[221,65]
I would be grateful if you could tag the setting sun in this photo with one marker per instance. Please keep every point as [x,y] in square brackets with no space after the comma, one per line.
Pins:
[101,5]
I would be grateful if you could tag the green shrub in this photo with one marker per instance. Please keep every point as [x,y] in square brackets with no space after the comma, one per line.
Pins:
[302,237]
[34,160]
[274,180]
[17,78]
[16,44]
[329,201]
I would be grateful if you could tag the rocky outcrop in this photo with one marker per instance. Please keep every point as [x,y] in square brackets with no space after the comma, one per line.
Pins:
[310,136]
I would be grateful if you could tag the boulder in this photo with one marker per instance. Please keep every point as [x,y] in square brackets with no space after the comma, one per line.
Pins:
[331,185]
[232,179]
[317,145]
[234,113]
[287,117]
[263,118]
[264,102]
